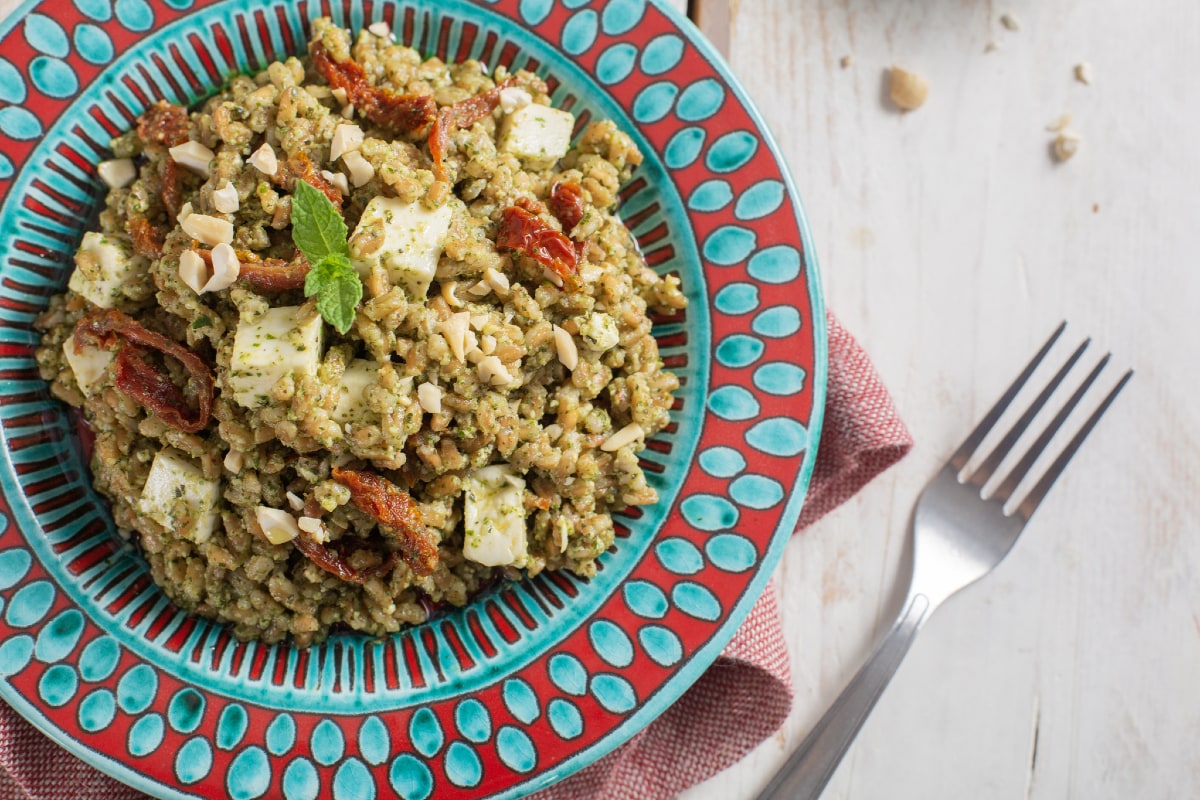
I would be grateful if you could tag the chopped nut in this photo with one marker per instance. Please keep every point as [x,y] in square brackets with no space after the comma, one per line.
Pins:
[449,296]
[338,179]
[487,344]
[278,526]
[1010,21]
[430,397]
[295,501]
[314,527]
[193,271]
[563,527]
[479,289]
[626,436]
[225,268]
[492,371]
[117,173]
[908,89]
[340,95]
[194,156]
[226,199]
[264,159]
[1066,145]
[380,29]
[847,60]
[235,460]
[185,211]
[991,47]
[497,280]
[347,138]
[1083,73]
[454,330]
[478,321]
[513,98]
[568,354]
[207,230]
[361,170]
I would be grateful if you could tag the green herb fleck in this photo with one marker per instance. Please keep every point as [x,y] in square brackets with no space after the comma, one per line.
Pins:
[201,322]
[320,233]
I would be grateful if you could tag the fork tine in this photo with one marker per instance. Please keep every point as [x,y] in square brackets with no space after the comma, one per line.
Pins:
[963,454]
[1018,473]
[1039,492]
[985,471]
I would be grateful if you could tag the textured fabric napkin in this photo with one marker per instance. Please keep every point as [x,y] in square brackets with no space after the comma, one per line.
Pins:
[742,699]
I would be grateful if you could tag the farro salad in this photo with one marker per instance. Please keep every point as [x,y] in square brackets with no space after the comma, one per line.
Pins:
[360,336]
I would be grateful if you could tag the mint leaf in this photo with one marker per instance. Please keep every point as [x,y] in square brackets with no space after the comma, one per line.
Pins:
[338,289]
[317,226]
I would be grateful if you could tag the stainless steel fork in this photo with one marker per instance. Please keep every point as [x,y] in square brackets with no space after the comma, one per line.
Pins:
[959,535]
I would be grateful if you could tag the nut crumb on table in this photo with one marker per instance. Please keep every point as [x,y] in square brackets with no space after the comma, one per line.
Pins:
[1083,73]
[1010,21]
[1066,144]
[908,90]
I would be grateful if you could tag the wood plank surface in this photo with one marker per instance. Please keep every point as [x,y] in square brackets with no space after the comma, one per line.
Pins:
[951,244]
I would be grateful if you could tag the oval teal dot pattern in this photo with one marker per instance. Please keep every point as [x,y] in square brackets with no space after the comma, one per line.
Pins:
[684,148]
[778,436]
[565,718]
[777,264]
[611,643]
[739,350]
[736,299]
[146,735]
[615,63]
[249,775]
[59,637]
[410,778]
[731,552]
[97,711]
[135,14]
[759,200]
[58,685]
[729,245]
[53,77]
[15,654]
[14,564]
[194,760]
[521,701]
[614,693]
[473,720]
[186,710]
[756,491]
[734,403]
[535,11]
[568,674]
[777,322]
[46,36]
[327,742]
[780,378]
[622,16]
[374,741]
[6,171]
[732,151]
[99,10]
[579,34]
[425,732]
[137,688]
[516,749]
[93,44]
[353,781]
[661,644]
[654,102]
[19,124]
[679,556]
[32,602]
[700,100]
[301,781]
[645,599]
[463,767]
[661,54]
[281,735]
[722,462]
[231,727]
[696,601]
[99,659]
[709,512]
[712,195]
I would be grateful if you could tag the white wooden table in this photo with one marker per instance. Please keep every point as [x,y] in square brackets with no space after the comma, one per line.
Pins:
[951,245]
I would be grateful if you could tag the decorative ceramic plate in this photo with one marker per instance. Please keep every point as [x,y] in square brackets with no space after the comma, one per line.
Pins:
[533,680]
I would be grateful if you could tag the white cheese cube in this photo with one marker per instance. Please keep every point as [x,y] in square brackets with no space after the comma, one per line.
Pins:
[104,264]
[538,135]
[494,516]
[267,350]
[352,398]
[179,497]
[88,364]
[406,238]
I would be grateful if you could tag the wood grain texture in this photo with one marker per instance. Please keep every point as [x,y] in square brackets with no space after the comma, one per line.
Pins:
[951,244]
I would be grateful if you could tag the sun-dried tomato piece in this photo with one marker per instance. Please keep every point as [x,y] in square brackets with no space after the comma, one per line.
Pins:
[566,204]
[523,231]
[333,562]
[172,187]
[462,114]
[397,514]
[147,237]
[266,275]
[300,167]
[164,124]
[402,113]
[144,381]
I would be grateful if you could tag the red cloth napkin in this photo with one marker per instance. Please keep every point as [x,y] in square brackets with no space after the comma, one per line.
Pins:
[742,699]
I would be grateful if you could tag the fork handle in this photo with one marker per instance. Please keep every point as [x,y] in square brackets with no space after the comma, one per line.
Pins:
[809,768]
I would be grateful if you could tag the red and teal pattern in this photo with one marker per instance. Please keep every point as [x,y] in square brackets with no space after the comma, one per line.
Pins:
[533,680]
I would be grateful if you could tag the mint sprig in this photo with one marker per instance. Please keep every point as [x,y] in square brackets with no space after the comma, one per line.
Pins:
[319,232]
